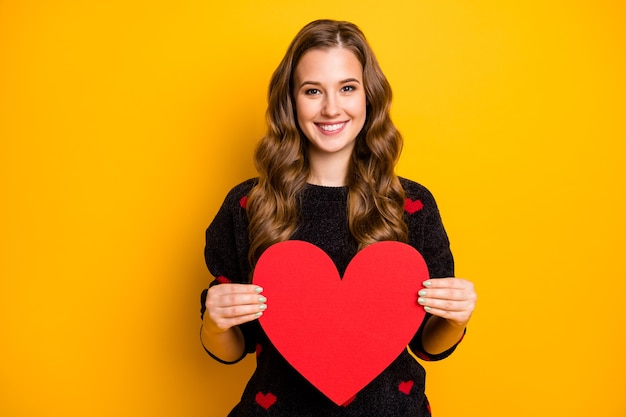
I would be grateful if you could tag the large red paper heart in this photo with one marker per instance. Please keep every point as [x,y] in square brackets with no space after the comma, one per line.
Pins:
[340,333]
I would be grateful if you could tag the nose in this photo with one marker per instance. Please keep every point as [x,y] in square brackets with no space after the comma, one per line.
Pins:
[331,106]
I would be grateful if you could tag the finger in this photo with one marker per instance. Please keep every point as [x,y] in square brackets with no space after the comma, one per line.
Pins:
[244,319]
[226,317]
[460,317]
[458,311]
[225,295]
[236,300]
[236,289]
[445,294]
[449,282]
[447,305]
[241,310]
[234,305]
[222,324]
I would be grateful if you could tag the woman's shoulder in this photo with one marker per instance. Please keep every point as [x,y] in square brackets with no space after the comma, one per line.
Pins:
[241,190]
[245,186]
[415,190]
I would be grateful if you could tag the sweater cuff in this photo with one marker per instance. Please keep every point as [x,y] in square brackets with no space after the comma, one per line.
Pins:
[418,349]
[243,355]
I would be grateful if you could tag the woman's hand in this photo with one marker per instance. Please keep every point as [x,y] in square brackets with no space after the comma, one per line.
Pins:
[229,305]
[453,299]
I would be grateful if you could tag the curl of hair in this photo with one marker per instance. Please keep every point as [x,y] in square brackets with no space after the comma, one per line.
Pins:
[375,196]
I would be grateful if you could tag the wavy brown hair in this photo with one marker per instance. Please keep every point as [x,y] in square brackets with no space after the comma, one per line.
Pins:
[375,196]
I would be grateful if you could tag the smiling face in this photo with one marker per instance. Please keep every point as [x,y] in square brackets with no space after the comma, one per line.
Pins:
[330,101]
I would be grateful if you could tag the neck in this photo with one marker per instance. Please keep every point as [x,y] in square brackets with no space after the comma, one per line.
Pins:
[329,171]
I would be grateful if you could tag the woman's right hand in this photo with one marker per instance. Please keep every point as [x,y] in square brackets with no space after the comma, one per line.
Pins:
[229,305]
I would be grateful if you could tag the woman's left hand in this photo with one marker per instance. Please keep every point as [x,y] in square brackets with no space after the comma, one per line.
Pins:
[453,299]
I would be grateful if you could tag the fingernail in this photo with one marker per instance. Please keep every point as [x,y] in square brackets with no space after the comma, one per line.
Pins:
[262,299]
[262,307]
[426,283]
[259,314]
[422,292]
[258,289]
[427,308]
[421,300]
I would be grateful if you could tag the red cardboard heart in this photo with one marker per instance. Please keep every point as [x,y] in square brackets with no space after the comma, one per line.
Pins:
[340,333]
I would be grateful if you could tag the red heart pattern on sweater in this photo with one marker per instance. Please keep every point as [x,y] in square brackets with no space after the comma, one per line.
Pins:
[413,206]
[265,400]
[405,387]
[340,333]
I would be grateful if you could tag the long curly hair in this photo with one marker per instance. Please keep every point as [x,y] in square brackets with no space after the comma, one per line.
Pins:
[375,196]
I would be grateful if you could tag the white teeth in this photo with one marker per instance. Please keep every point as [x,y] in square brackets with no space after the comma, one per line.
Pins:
[331,128]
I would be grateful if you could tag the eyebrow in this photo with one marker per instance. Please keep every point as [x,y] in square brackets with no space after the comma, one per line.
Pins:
[346,81]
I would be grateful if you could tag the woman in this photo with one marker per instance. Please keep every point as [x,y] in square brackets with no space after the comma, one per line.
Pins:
[326,176]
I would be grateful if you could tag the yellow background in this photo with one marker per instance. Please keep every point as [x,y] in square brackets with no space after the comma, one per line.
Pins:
[124,123]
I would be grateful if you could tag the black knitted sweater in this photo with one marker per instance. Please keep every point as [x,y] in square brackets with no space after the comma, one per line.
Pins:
[276,388]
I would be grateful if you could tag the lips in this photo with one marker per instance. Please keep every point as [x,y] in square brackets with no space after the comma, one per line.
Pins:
[329,128]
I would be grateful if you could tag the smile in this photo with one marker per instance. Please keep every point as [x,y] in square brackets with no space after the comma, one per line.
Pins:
[330,128]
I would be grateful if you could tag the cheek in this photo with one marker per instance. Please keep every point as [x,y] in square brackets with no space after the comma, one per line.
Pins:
[358,109]
[304,111]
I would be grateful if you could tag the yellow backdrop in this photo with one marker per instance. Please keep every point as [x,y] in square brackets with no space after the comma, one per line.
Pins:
[124,123]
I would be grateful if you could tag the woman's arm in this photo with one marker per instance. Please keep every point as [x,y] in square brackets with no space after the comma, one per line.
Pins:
[451,301]
[227,346]
[228,306]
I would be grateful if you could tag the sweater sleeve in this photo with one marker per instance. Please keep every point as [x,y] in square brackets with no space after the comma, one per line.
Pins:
[428,235]
[226,252]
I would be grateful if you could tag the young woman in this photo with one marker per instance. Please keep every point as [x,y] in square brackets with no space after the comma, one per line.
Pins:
[326,176]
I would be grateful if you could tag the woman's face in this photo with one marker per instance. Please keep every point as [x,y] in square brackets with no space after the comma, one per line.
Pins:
[330,100]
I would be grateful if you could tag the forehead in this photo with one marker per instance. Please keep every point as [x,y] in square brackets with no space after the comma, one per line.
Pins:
[328,64]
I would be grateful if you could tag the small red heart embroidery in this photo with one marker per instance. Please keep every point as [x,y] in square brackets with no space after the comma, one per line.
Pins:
[265,400]
[405,387]
[348,330]
[243,201]
[413,206]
